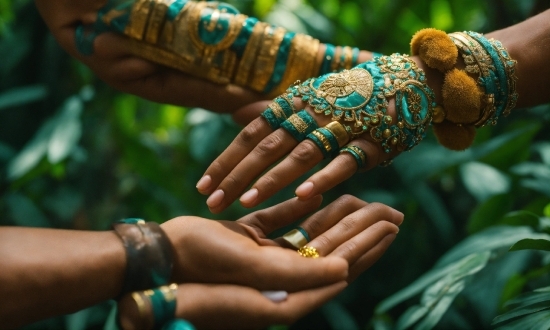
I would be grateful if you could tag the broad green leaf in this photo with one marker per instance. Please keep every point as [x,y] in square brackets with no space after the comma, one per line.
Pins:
[484,181]
[452,272]
[536,321]
[489,212]
[543,149]
[537,170]
[441,307]
[494,238]
[411,316]
[22,95]
[530,298]
[531,244]
[539,185]
[521,218]
[517,312]
[547,211]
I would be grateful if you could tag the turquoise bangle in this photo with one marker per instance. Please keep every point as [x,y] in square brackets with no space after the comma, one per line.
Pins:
[178,324]
[163,303]
[325,140]
[355,57]
[299,125]
[358,154]
[327,59]
[501,84]
[240,43]
[280,62]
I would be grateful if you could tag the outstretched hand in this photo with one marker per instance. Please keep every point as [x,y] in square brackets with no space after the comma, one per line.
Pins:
[258,146]
[349,233]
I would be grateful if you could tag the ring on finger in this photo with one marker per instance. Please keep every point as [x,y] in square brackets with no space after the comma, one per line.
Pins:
[308,252]
[277,112]
[330,138]
[358,154]
[297,237]
[299,125]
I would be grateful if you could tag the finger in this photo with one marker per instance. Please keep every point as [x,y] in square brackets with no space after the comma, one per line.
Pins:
[338,170]
[368,259]
[267,220]
[267,151]
[283,269]
[352,225]
[302,158]
[230,306]
[249,112]
[242,145]
[324,219]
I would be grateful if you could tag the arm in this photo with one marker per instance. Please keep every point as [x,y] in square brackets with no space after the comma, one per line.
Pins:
[47,272]
[236,74]
[259,146]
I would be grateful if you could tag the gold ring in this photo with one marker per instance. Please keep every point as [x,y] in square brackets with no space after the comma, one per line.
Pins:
[296,238]
[308,252]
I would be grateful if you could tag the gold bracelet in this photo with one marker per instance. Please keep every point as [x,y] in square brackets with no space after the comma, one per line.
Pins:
[335,65]
[348,56]
[265,63]
[138,20]
[250,53]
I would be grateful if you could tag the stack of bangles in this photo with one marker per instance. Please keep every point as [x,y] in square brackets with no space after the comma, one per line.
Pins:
[212,40]
[357,100]
[149,264]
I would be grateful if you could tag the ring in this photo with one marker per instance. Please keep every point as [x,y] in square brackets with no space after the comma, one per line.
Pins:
[278,111]
[308,252]
[358,154]
[297,237]
[299,125]
[163,303]
[325,140]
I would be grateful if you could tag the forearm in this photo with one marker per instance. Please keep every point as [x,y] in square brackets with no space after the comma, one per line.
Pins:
[529,44]
[48,272]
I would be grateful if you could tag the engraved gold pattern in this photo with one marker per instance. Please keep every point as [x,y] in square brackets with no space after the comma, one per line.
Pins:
[298,123]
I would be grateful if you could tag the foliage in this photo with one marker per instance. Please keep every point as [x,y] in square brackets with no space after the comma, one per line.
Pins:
[74,153]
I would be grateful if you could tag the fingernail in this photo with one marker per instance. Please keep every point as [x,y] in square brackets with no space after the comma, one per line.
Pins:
[275,296]
[398,217]
[249,196]
[204,182]
[215,199]
[305,189]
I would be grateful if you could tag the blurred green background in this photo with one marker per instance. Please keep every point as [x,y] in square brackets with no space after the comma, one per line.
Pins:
[74,153]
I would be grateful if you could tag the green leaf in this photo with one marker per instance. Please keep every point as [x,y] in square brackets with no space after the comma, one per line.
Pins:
[22,95]
[541,295]
[489,212]
[67,131]
[441,307]
[484,181]
[531,244]
[543,149]
[534,321]
[24,212]
[441,15]
[521,218]
[537,170]
[411,316]
[546,211]
[491,239]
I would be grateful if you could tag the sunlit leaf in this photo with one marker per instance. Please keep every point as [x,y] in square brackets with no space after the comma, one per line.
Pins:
[483,181]
[67,130]
[441,15]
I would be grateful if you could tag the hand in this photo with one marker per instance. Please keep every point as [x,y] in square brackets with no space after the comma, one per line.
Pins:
[258,147]
[113,63]
[349,233]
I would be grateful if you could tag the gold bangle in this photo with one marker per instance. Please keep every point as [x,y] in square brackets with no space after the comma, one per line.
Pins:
[265,63]
[335,65]
[156,20]
[138,20]
[348,57]
[300,64]
[249,56]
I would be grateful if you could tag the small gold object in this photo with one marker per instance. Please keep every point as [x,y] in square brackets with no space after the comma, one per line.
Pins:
[339,132]
[300,125]
[295,238]
[308,252]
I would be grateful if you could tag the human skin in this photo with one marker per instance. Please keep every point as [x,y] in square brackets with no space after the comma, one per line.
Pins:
[114,64]
[257,147]
[48,272]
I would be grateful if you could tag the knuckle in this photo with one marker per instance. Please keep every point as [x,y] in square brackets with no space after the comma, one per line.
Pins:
[249,133]
[268,182]
[314,227]
[348,224]
[269,145]
[324,241]
[304,153]
[347,200]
